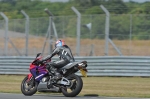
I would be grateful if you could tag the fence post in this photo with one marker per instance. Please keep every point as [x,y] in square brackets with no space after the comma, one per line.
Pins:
[6,32]
[131,33]
[78,29]
[26,31]
[106,28]
[50,28]
[52,23]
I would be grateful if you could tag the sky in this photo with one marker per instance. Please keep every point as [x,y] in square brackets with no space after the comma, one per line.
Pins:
[140,1]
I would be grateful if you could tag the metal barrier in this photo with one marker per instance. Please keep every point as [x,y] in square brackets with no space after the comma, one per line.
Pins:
[97,66]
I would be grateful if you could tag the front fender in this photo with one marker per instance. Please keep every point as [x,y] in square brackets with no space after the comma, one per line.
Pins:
[30,76]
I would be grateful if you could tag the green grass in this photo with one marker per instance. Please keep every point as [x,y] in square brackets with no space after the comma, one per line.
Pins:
[117,86]
[103,86]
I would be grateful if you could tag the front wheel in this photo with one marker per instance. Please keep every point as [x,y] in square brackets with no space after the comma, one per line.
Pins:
[28,88]
[75,87]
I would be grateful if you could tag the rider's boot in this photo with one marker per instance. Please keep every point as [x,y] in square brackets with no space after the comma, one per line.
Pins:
[54,71]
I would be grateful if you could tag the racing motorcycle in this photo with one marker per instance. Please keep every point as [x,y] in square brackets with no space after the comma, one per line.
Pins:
[42,79]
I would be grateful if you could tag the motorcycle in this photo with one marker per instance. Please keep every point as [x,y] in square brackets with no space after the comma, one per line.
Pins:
[43,79]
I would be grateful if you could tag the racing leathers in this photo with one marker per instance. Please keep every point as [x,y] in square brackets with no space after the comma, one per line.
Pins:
[65,56]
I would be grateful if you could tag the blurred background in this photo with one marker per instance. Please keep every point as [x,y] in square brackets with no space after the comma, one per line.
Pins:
[129,27]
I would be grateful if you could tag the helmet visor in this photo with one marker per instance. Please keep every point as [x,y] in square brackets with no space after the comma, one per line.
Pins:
[59,44]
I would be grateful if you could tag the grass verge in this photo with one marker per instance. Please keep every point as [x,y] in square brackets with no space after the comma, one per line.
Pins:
[103,86]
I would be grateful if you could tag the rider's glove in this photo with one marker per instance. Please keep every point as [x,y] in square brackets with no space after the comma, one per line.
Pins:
[40,62]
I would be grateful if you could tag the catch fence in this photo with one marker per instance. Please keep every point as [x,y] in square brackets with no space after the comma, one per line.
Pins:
[129,33]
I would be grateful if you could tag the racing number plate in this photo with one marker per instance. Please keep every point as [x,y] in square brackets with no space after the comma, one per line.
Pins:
[83,72]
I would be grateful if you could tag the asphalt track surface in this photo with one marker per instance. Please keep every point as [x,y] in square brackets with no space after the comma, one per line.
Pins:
[37,96]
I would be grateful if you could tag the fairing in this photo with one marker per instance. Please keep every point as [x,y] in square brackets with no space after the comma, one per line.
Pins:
[38,72]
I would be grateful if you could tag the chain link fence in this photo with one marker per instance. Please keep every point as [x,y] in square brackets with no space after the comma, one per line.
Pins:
[130,34]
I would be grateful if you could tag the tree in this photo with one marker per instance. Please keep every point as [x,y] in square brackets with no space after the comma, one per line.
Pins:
[12,2]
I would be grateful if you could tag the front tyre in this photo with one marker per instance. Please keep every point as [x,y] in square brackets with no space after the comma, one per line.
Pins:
[28,88]
[74,88]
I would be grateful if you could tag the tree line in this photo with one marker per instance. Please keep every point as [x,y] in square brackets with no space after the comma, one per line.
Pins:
[35,8]
[119,25]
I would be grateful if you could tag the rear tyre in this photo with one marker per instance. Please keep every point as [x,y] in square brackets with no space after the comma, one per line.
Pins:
[75,87]
[27,88]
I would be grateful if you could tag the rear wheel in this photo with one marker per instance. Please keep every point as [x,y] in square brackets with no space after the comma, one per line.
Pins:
[28,88]
[74,88]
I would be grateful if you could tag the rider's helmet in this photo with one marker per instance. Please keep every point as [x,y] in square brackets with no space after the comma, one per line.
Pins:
[59,43]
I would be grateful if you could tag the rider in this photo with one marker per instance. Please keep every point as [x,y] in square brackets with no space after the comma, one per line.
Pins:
[64,53]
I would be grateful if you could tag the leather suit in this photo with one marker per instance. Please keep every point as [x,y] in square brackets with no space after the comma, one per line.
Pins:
[64,54]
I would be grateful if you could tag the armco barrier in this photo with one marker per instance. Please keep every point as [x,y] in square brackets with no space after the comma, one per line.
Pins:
[97,66]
